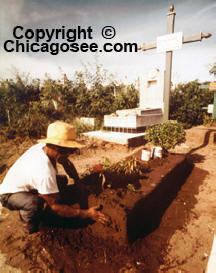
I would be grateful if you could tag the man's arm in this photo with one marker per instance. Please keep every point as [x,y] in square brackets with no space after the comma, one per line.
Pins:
[70,169]
[68,211]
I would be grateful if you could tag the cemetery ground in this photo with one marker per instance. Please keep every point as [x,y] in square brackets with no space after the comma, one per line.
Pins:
[170,228]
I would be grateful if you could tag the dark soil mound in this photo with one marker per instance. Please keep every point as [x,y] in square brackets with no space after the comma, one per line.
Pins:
[71,245]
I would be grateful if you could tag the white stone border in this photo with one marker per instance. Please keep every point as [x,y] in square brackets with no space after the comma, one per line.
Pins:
[211,267]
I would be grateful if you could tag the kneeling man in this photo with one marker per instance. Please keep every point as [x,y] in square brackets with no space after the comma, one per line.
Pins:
[32,180]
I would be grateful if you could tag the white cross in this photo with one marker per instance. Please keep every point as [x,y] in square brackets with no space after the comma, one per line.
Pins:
[168,69]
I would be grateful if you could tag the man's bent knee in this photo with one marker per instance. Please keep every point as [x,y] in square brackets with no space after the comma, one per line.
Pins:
[25,201]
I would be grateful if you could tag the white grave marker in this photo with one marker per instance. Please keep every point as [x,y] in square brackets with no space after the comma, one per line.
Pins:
[169,42]
[152,90]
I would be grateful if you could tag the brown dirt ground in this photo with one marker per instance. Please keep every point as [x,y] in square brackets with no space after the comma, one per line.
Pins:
[180,240]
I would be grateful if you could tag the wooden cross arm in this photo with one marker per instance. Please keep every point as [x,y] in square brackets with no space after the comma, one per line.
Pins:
[145,47]
[188,39]
[195,38]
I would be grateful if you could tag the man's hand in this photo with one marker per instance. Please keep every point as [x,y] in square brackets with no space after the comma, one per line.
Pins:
[68,211]
[95,214]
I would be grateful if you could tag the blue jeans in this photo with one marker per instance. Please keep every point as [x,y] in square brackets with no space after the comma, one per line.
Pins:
[29,204]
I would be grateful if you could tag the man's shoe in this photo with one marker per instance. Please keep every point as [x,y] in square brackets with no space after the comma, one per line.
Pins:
[29,228]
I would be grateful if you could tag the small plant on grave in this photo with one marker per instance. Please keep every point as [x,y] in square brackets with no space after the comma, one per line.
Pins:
[166,135]
[107,165]
[124,174]
[131,187]
[131,166]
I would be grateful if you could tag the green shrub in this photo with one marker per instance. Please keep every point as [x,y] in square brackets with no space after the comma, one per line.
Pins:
[187,102]
[28,105]
[208,120]
[166,135]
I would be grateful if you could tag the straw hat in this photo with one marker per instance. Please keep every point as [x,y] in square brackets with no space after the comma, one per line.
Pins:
[61,134]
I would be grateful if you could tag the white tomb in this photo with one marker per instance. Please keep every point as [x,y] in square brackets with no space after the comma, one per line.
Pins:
[150,111]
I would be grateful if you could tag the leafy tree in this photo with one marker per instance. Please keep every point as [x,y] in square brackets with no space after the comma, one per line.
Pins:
[79,98]
[101,101]
[15,97]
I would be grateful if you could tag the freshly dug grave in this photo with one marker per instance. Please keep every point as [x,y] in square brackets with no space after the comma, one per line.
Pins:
[135,205]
